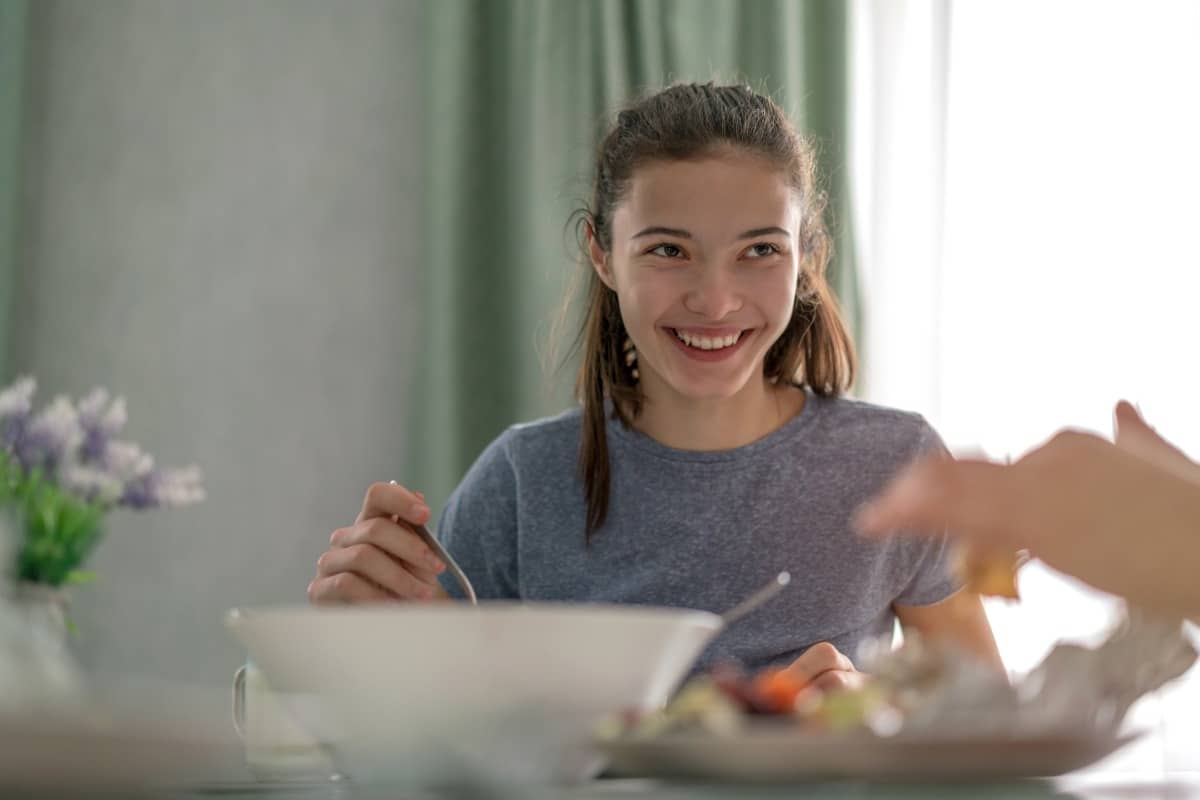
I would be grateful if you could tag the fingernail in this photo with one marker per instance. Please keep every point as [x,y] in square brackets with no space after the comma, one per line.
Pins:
[418,509]
[435,563]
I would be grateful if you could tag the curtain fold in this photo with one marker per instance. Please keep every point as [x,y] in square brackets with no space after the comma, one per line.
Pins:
[517,94]
[13,30]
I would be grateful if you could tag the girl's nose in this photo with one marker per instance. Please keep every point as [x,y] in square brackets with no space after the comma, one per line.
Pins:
[713,295]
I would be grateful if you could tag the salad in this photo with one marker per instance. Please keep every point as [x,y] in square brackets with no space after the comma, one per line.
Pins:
[727,699]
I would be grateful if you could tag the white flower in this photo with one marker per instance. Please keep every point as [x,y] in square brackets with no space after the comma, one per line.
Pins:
[115,418]
[92,404]
[179,487]
[18,398]
[73,444]
[91,483]
[96,413]
[126,461]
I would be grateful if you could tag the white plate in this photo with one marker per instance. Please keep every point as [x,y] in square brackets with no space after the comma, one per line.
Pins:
[774,753]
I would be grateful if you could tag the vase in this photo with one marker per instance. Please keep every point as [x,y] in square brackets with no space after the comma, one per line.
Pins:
[38,671]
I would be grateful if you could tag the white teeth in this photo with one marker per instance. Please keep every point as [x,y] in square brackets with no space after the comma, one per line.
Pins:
[706,343]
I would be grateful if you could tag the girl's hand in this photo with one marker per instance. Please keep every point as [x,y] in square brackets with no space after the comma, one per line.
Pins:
[823,666]
[379,558]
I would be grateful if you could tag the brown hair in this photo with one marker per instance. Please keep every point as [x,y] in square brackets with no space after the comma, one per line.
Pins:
[683,122]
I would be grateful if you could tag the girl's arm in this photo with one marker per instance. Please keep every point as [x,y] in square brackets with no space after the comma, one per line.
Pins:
[959,617]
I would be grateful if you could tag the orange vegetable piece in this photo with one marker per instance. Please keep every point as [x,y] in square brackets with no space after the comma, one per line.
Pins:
[777,690]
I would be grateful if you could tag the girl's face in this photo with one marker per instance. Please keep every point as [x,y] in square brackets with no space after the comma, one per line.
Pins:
[705,265]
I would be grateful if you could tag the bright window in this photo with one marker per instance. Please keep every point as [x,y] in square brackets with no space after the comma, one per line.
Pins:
[1031,175]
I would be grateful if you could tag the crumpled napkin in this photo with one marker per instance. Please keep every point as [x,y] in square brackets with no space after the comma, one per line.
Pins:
[941,690]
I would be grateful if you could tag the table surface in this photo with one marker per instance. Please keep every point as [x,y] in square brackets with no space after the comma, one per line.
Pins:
[1082,786]
[1164,763]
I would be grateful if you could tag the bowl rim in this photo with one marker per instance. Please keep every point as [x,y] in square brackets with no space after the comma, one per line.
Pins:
[240,616]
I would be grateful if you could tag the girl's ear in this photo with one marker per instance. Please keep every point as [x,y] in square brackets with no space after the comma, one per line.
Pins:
[599,258]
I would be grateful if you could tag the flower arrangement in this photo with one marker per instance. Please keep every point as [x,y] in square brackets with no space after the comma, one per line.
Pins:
[62,469]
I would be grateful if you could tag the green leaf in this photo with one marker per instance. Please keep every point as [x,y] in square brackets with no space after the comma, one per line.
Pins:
[58,529]
[79,577]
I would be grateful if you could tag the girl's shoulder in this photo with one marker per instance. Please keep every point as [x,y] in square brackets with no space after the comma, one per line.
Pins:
[859,425]
[527,448]
[542,438]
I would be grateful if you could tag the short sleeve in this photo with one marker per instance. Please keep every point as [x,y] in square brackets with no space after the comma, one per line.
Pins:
[929,559]
[478,526]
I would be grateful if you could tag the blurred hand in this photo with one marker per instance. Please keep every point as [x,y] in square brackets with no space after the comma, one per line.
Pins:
[1118,516]
[1133,434]
[823,666]
[379,558]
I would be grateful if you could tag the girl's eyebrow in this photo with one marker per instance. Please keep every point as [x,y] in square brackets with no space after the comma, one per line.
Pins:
[658,230]
[661,231]
[754,234]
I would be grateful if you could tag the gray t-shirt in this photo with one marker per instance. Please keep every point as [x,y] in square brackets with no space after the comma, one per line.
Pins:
[705,529]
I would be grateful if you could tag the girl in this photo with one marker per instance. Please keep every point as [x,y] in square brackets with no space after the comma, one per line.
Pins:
[712,448]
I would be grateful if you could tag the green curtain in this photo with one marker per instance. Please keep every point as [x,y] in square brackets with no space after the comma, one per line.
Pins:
[13,23]
[518,92]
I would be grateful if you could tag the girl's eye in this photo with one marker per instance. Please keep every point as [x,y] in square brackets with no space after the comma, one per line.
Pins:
[762,250]
[667,251]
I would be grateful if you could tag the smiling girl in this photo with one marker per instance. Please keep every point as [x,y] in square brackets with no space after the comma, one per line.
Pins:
[713,446]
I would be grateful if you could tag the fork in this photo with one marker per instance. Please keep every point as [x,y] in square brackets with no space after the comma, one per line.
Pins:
[456,571]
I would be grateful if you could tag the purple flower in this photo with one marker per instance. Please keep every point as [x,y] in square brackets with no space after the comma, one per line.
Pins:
[75,446]
[100,422]
[140,493]
[51,438]
[16,403]
[164,488]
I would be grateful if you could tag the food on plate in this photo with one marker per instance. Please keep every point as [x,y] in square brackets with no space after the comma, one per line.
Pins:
[726,699]
[932,687]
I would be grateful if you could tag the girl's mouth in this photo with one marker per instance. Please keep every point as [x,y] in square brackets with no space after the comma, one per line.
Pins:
[709,345]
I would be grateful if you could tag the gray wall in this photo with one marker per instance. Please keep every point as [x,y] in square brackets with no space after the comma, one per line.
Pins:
[221,221]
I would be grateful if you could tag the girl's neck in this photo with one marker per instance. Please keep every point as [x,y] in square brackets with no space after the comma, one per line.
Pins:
[719,423]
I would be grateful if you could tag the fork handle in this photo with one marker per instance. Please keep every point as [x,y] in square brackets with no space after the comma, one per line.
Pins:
[439,551]
[459,576]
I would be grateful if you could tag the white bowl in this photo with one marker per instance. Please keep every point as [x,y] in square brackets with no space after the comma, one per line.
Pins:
[427,695]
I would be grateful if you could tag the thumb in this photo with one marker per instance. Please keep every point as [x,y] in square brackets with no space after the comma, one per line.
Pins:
[1134,435]
[1127,422]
